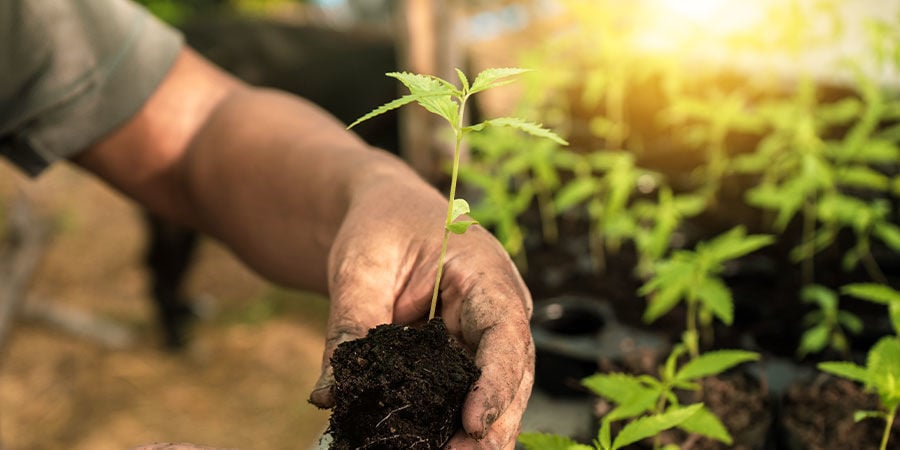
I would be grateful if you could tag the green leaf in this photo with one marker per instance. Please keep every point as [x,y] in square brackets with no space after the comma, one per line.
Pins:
[604,437]
[873,292]
[883,366]
[705,423]
[862,177]
[460,207]
[813,340]
[393,104]
[889,234]
[461,226]
[544,441]
[846,370]
[491,78]
[631,396]
[648,426]
[735,243]
[534,129]
[434,94]
[716,296]
[712,363]
[859,416]
[575,192]
[462,79]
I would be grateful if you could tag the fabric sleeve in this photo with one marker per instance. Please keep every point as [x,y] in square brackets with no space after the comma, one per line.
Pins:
[72,71]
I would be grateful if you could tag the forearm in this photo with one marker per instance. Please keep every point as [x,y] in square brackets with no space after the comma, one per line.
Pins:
[276,187]
[267,173]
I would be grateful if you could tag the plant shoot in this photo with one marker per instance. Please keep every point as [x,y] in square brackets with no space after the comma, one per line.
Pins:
[444,99]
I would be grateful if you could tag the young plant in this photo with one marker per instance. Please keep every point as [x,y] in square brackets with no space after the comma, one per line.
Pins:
[652,404]
[444,99]
[882,371]
[693,277]
[825,326]
[635,431]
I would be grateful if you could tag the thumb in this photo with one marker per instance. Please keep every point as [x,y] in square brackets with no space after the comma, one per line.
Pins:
[359,302]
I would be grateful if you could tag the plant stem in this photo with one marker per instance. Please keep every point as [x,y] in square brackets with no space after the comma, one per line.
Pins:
[889,423]
[458,133]
[809,224]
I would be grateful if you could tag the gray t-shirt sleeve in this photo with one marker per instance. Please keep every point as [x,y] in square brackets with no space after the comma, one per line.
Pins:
[72,71]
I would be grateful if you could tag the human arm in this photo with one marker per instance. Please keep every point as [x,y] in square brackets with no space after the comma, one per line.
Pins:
[309,205]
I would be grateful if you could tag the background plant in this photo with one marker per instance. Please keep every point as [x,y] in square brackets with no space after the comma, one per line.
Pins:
[692,277]
[825,326]
[881,373]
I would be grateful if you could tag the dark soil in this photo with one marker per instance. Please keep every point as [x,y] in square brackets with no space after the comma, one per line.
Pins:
[400,387]
[741,402]
[818,415]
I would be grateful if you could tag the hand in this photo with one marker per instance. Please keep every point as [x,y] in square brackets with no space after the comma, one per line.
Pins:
[381,269]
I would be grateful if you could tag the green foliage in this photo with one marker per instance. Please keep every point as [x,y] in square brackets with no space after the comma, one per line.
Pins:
[637,396]
[692,277]
[881,294]
[544,441]
[825,326]
[881,375]
[510,171]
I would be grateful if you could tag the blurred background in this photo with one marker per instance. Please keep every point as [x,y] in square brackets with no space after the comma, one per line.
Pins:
[745,110]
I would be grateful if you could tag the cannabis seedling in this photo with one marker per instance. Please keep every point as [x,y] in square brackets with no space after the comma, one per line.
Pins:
[444,99]
[693,277]
[882,370]
[651,402]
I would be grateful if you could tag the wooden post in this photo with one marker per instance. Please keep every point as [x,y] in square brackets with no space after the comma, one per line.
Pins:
[428,43]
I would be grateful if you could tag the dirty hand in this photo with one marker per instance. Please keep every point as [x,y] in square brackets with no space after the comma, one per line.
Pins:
[381,269]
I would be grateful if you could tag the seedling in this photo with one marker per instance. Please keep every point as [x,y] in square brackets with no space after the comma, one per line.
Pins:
[635,431]
[826,325]
[651,402]
[693,277]
[882,371]
[444,99]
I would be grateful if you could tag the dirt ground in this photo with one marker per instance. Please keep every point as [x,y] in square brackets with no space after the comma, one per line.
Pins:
[242,383]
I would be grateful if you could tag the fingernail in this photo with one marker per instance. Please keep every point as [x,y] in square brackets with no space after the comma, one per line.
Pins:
[321,392]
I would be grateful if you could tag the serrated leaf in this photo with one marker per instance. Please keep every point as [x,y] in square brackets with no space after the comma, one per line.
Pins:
[716,296]
[713,363]
[705,423]
[534,129]
[883,366]
[423,85]
[663,301]
[632,397]
[544,441]
[391,105]
[490,78]
[462,79]
[432,93]
[461,226]
[735,243]
[648,426]
[846,370]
